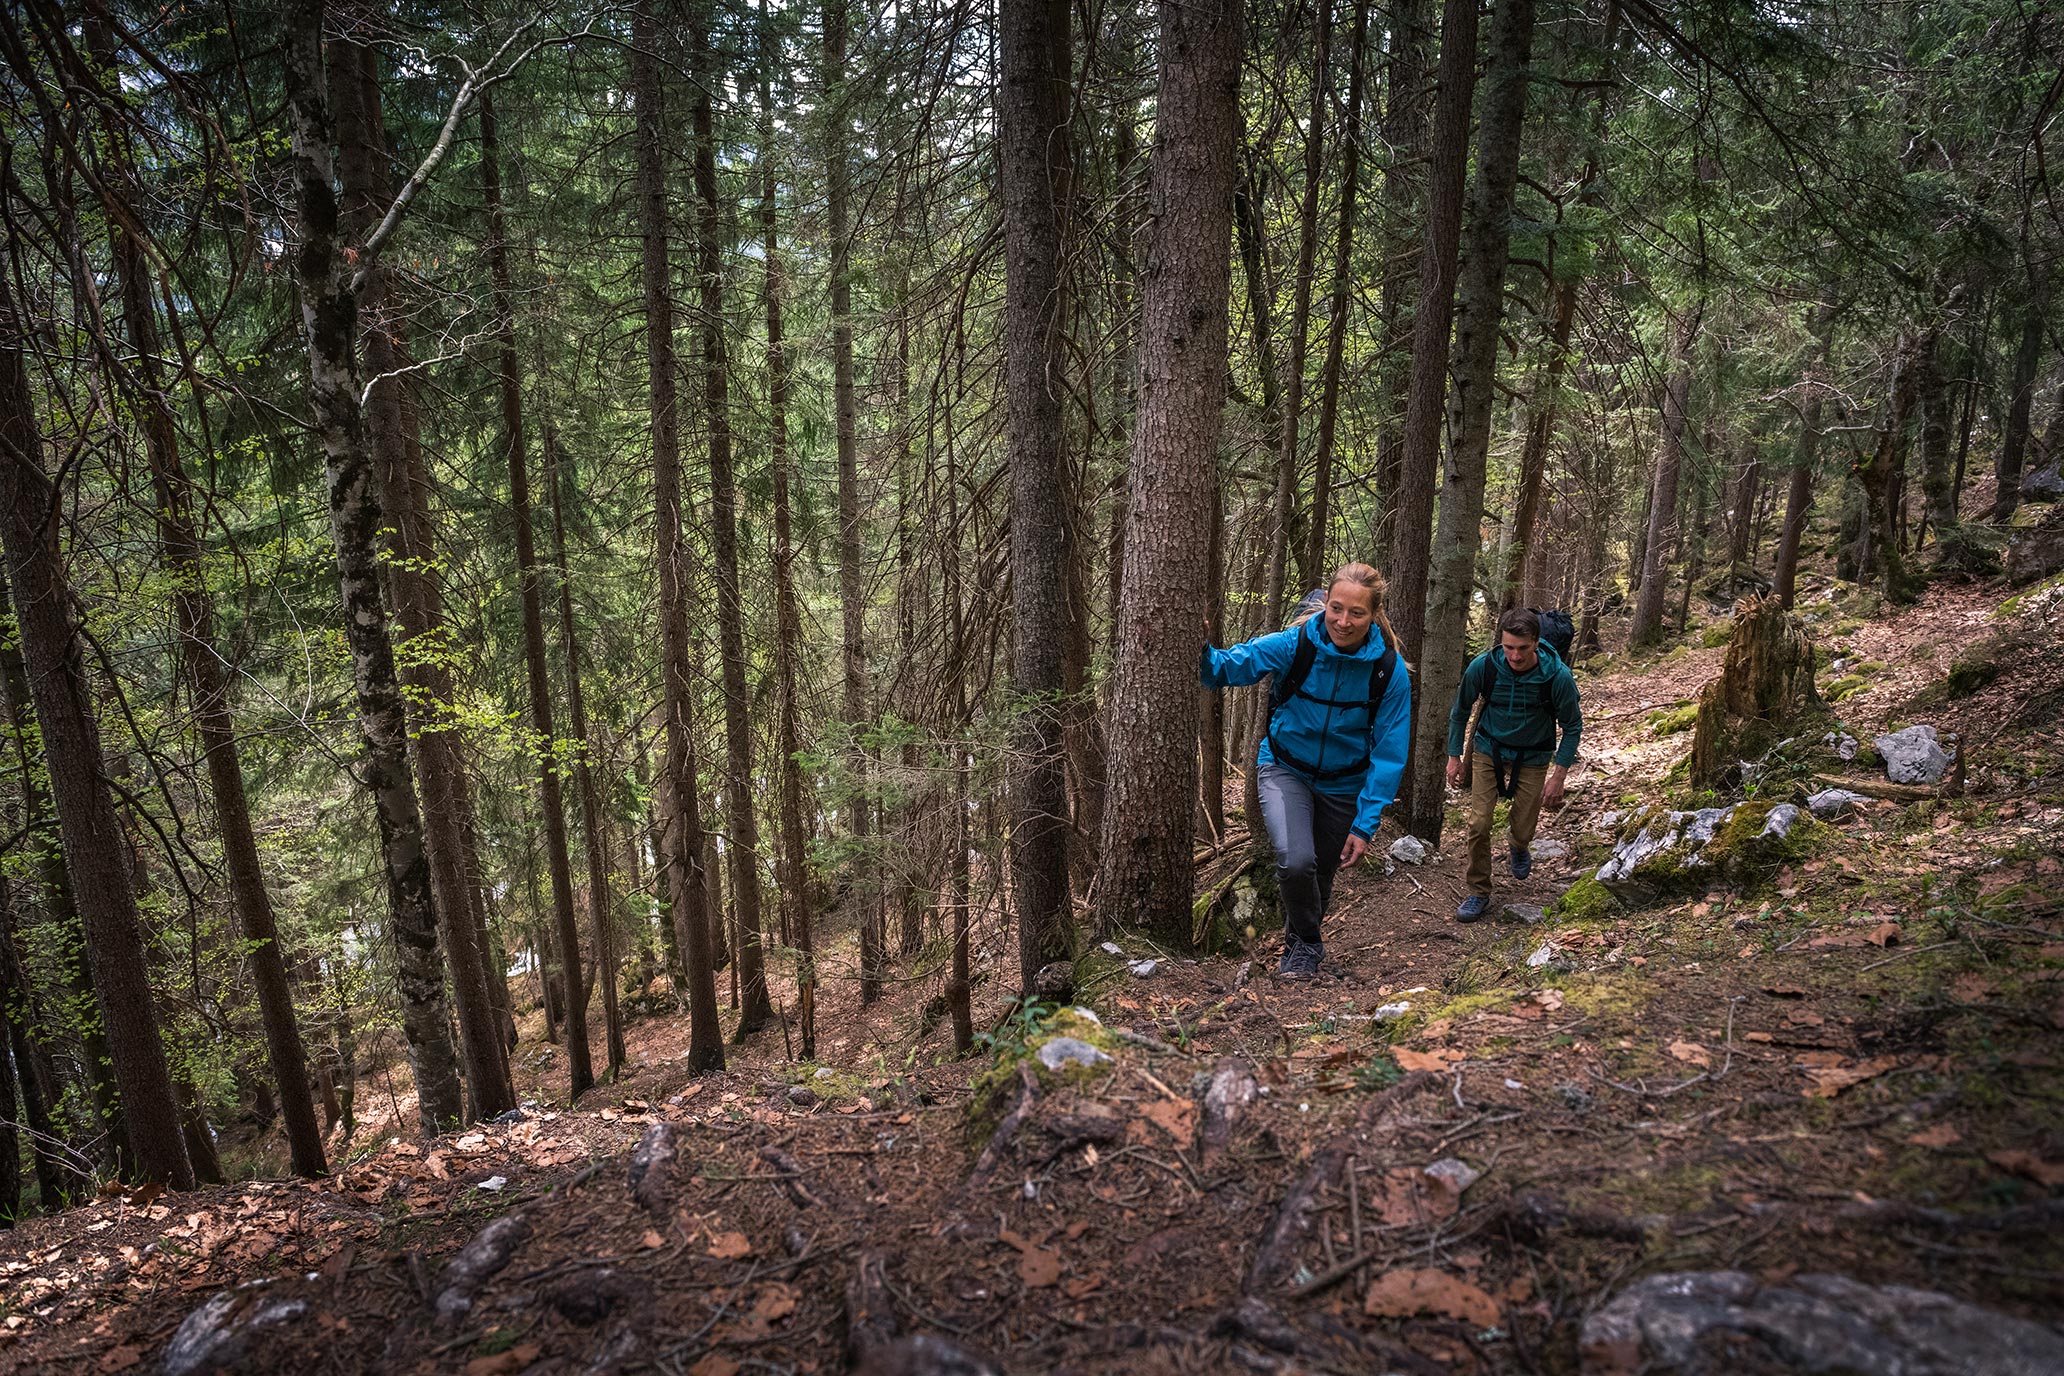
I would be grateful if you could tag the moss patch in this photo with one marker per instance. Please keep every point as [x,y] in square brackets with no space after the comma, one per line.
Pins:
[1587,900]
[1672,720]
[1717,635]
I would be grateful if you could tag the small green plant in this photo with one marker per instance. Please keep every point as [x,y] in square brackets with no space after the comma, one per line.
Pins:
[1378,1073]
[1010,1038]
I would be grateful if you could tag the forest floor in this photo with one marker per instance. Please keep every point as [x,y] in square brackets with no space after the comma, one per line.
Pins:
[1853,1066]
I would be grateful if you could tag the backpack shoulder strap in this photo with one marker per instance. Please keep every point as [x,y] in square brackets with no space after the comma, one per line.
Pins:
[1379,679]
[1291,679]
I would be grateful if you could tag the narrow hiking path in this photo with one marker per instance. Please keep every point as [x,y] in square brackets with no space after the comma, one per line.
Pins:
[1444,1154]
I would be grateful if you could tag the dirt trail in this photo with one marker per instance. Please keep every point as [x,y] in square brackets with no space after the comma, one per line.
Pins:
[1853,1066]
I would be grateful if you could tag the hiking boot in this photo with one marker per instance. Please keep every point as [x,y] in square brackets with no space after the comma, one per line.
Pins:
[1472,908]
[1300,959]
[1522,863]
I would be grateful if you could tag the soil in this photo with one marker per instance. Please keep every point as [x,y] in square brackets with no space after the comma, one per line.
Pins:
[1854,1066]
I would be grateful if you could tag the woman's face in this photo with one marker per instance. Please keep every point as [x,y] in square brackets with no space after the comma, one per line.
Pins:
[1350,608]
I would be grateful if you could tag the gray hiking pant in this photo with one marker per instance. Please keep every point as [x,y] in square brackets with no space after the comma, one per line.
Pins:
[1308,829]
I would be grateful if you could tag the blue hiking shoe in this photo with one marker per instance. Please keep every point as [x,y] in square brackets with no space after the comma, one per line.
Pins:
[1472,908]
[1300,959]
[1522,863]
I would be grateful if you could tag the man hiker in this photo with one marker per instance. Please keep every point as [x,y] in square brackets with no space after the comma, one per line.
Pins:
[1528,694]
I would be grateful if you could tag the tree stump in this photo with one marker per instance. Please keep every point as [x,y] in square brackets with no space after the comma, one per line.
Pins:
[1767,675]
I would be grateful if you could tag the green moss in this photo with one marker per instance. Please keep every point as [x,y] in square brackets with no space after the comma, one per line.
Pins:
[1587,900]
[996,1088]
[1717,634]
[1971,671]
[1848,686]
[1672,720]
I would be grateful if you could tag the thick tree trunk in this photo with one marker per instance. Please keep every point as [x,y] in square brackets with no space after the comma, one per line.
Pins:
[1479,307]
[1315,565]
[1405,112]
[1647,626]
[1035,173]
[1145,878]
[788,628]
[384,439]
[1432,316]
[1953,549]
[194,615]
[742,843]
[71,748]
[1747,489]
[566,927]
[845,409]
[682,842]
[32,1067]
[11,995]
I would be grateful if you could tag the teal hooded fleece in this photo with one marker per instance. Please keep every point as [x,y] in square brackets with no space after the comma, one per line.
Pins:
[1323,735]
[1521,711]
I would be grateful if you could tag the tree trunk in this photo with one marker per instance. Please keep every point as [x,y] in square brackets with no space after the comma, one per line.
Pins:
[1315,564]
[682,841]
[1145,877]
[852,604]
[1953,550]
[2014,438]
[788,628]
[382,439]
[1035,173]
[1432,316]
[1533,458]
[1405,114]
[742,844]
[1877,474]
[1799,492]
[1478,309]
[71,749]
[1647,627]
[194,616]
[1747,489]
[579,1068]
[31,1066]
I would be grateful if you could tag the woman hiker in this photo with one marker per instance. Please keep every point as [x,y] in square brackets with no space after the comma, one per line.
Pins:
[1338,731]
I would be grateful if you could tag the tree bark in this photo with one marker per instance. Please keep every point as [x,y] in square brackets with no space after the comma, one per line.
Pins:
[1479,307]
[1799,492]
[194,616]
[384,437]
[682,840]
[1877,476]
[845,409]
[1647,627]
[1405,114]
[538,673]
[788,628]
[2021,402]
[1145,878]
[1432,316]
[71,747]
[1533,458]
[1315,565]
[1035,173]
[32,1066]
[742,843]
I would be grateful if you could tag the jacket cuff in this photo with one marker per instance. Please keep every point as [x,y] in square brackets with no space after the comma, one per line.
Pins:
[1366,836]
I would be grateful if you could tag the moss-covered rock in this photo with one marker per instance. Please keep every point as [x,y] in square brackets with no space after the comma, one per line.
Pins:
[1669,721]
[1717,634]
[1661,851]
[1847,686]
[1587,900]
[996,1088]
[1972,670]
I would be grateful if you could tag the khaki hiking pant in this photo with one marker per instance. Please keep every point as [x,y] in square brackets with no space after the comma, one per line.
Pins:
[1522,816]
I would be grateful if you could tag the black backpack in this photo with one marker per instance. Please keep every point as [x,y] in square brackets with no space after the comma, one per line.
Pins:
[1290,684]
[1557,629]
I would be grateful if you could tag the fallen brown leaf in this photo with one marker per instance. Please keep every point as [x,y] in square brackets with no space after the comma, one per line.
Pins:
[1437,1060]
[1828,1081]
[1940,1136]
[1402,1293]
[120,1358]
[1970,987]
[730,1246]
[1785,991]
[652,1241]
[1176,1117]
[2049,1174]
[715,1364]
[1039,1268]
[1885,934]
[501,1363]
[1691,1053]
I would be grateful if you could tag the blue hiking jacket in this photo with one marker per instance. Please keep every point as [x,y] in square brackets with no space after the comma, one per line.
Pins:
[1329,737]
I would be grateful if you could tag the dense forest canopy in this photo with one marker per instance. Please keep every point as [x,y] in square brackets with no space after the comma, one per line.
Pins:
[711,505]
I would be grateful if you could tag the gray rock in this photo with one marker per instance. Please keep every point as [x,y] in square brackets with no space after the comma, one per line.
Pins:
[1391,1012]
[1779,823]
[1529,913]
[2045,484]
[1063,1051]
[1913,756]
[1142,968]
[1547,848]
[1812,1323]
[1689,832]
[1455,1173]
[1409,850]
[1545,953]
[216,1337]
[1842,743]
[1055,982]
[1831,803]
[1111,948]
[2038,551]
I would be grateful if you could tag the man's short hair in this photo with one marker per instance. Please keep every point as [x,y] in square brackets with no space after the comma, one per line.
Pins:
[1520,622]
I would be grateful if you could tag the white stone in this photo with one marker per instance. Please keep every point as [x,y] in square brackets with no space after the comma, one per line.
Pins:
[1142,968]
[1542,956]
[1409,850]
[1547,848]
[493,1183]
[1087,1015]
[1390,1012]
[1913,756]
[1780,822]
[1070,1051]
[1111,948]
[1456,1174]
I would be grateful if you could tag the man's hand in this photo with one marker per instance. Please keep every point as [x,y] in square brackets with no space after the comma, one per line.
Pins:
[1454,771]
[1354,850]
[1551,791]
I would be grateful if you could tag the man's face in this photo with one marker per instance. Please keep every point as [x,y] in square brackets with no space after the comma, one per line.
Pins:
[1522,654]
